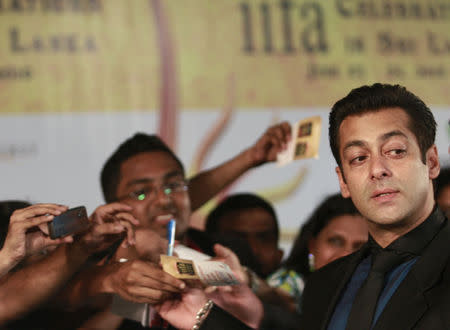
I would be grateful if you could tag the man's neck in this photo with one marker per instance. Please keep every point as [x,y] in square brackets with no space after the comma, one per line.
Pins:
[385,235]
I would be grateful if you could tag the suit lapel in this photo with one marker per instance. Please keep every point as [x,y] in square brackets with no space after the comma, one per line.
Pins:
[341,277]
[323,289]
[412,298]
[405,307]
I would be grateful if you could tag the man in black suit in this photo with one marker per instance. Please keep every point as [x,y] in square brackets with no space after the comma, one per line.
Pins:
[382,137]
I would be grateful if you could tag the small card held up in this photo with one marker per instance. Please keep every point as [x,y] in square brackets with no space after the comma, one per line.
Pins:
[304,143]
[211,273]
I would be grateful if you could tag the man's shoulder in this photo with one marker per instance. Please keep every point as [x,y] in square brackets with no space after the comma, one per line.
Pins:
[439,248]
[436,256]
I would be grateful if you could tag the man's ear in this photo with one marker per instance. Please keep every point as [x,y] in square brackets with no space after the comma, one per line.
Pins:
[344,189]
[433,164]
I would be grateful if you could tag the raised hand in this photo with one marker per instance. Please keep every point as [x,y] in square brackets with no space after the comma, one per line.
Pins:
[238,300]
[274,140]
[110,222]
[227,256]
[25,236]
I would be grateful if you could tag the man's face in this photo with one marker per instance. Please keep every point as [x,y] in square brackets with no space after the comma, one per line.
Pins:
[383,171]
[141,185]
[256,226]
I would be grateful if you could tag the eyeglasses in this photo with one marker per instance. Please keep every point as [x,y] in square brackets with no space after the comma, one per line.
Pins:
[151,192]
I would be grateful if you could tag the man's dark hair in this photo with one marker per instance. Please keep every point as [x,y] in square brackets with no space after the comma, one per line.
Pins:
[442,181]
[135,145]
[6,210]
[235,203]
[333,206]
[377,97]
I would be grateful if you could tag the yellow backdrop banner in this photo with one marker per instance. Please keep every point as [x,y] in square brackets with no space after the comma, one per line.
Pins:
[116,55]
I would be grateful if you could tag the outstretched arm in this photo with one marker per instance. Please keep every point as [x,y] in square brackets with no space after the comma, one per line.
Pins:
[25,289]
[192,308]
[207,184]
[137,281]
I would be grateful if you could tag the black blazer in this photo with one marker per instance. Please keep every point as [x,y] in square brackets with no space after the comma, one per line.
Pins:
[422,301]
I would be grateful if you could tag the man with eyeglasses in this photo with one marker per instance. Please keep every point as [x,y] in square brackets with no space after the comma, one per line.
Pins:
[146,175]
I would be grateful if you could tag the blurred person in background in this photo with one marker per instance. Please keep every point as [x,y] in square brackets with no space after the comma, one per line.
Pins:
[442,184]
[253,220]
[335,229]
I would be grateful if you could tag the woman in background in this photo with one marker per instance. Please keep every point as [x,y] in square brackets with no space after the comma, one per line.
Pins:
[334,230]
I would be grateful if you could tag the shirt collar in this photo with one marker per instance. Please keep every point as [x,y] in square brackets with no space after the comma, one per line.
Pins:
[415,241]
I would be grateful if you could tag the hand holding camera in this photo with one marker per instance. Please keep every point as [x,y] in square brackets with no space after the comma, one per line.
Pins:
[25,234]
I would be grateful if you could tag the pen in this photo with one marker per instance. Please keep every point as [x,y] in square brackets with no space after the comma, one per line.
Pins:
[171,236]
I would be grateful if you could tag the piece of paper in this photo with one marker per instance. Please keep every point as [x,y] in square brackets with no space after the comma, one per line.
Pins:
[304,143]
[215,273]
[179,268]
[184,252]
[210,273]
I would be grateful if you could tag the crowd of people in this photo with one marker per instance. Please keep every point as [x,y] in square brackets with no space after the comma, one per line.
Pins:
[373,256]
